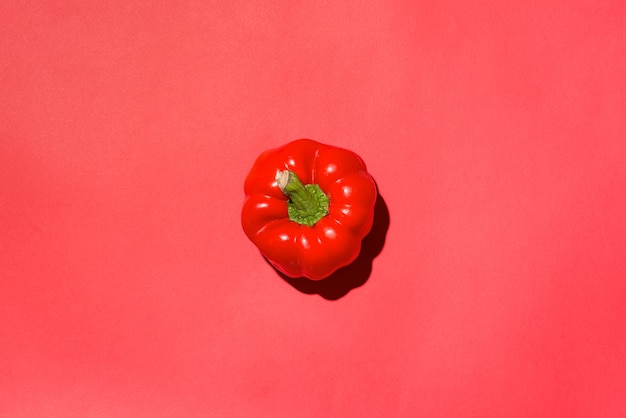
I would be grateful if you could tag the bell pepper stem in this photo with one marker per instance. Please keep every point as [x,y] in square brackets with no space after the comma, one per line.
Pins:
[307,203]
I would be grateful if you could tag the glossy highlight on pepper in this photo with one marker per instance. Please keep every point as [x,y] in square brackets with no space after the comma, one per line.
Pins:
[308,206]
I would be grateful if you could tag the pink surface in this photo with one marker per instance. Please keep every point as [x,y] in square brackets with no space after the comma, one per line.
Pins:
[495,132]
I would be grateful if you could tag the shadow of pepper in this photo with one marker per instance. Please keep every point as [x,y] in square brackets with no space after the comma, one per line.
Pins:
[354,275]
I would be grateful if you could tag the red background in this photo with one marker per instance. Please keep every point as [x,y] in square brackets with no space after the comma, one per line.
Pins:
[496,134]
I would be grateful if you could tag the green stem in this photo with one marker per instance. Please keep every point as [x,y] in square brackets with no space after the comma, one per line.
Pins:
[307,203]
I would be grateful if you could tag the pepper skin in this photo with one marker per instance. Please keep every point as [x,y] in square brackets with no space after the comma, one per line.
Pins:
[308,231]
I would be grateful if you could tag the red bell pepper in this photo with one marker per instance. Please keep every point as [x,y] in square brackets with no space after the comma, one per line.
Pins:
[307,207]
